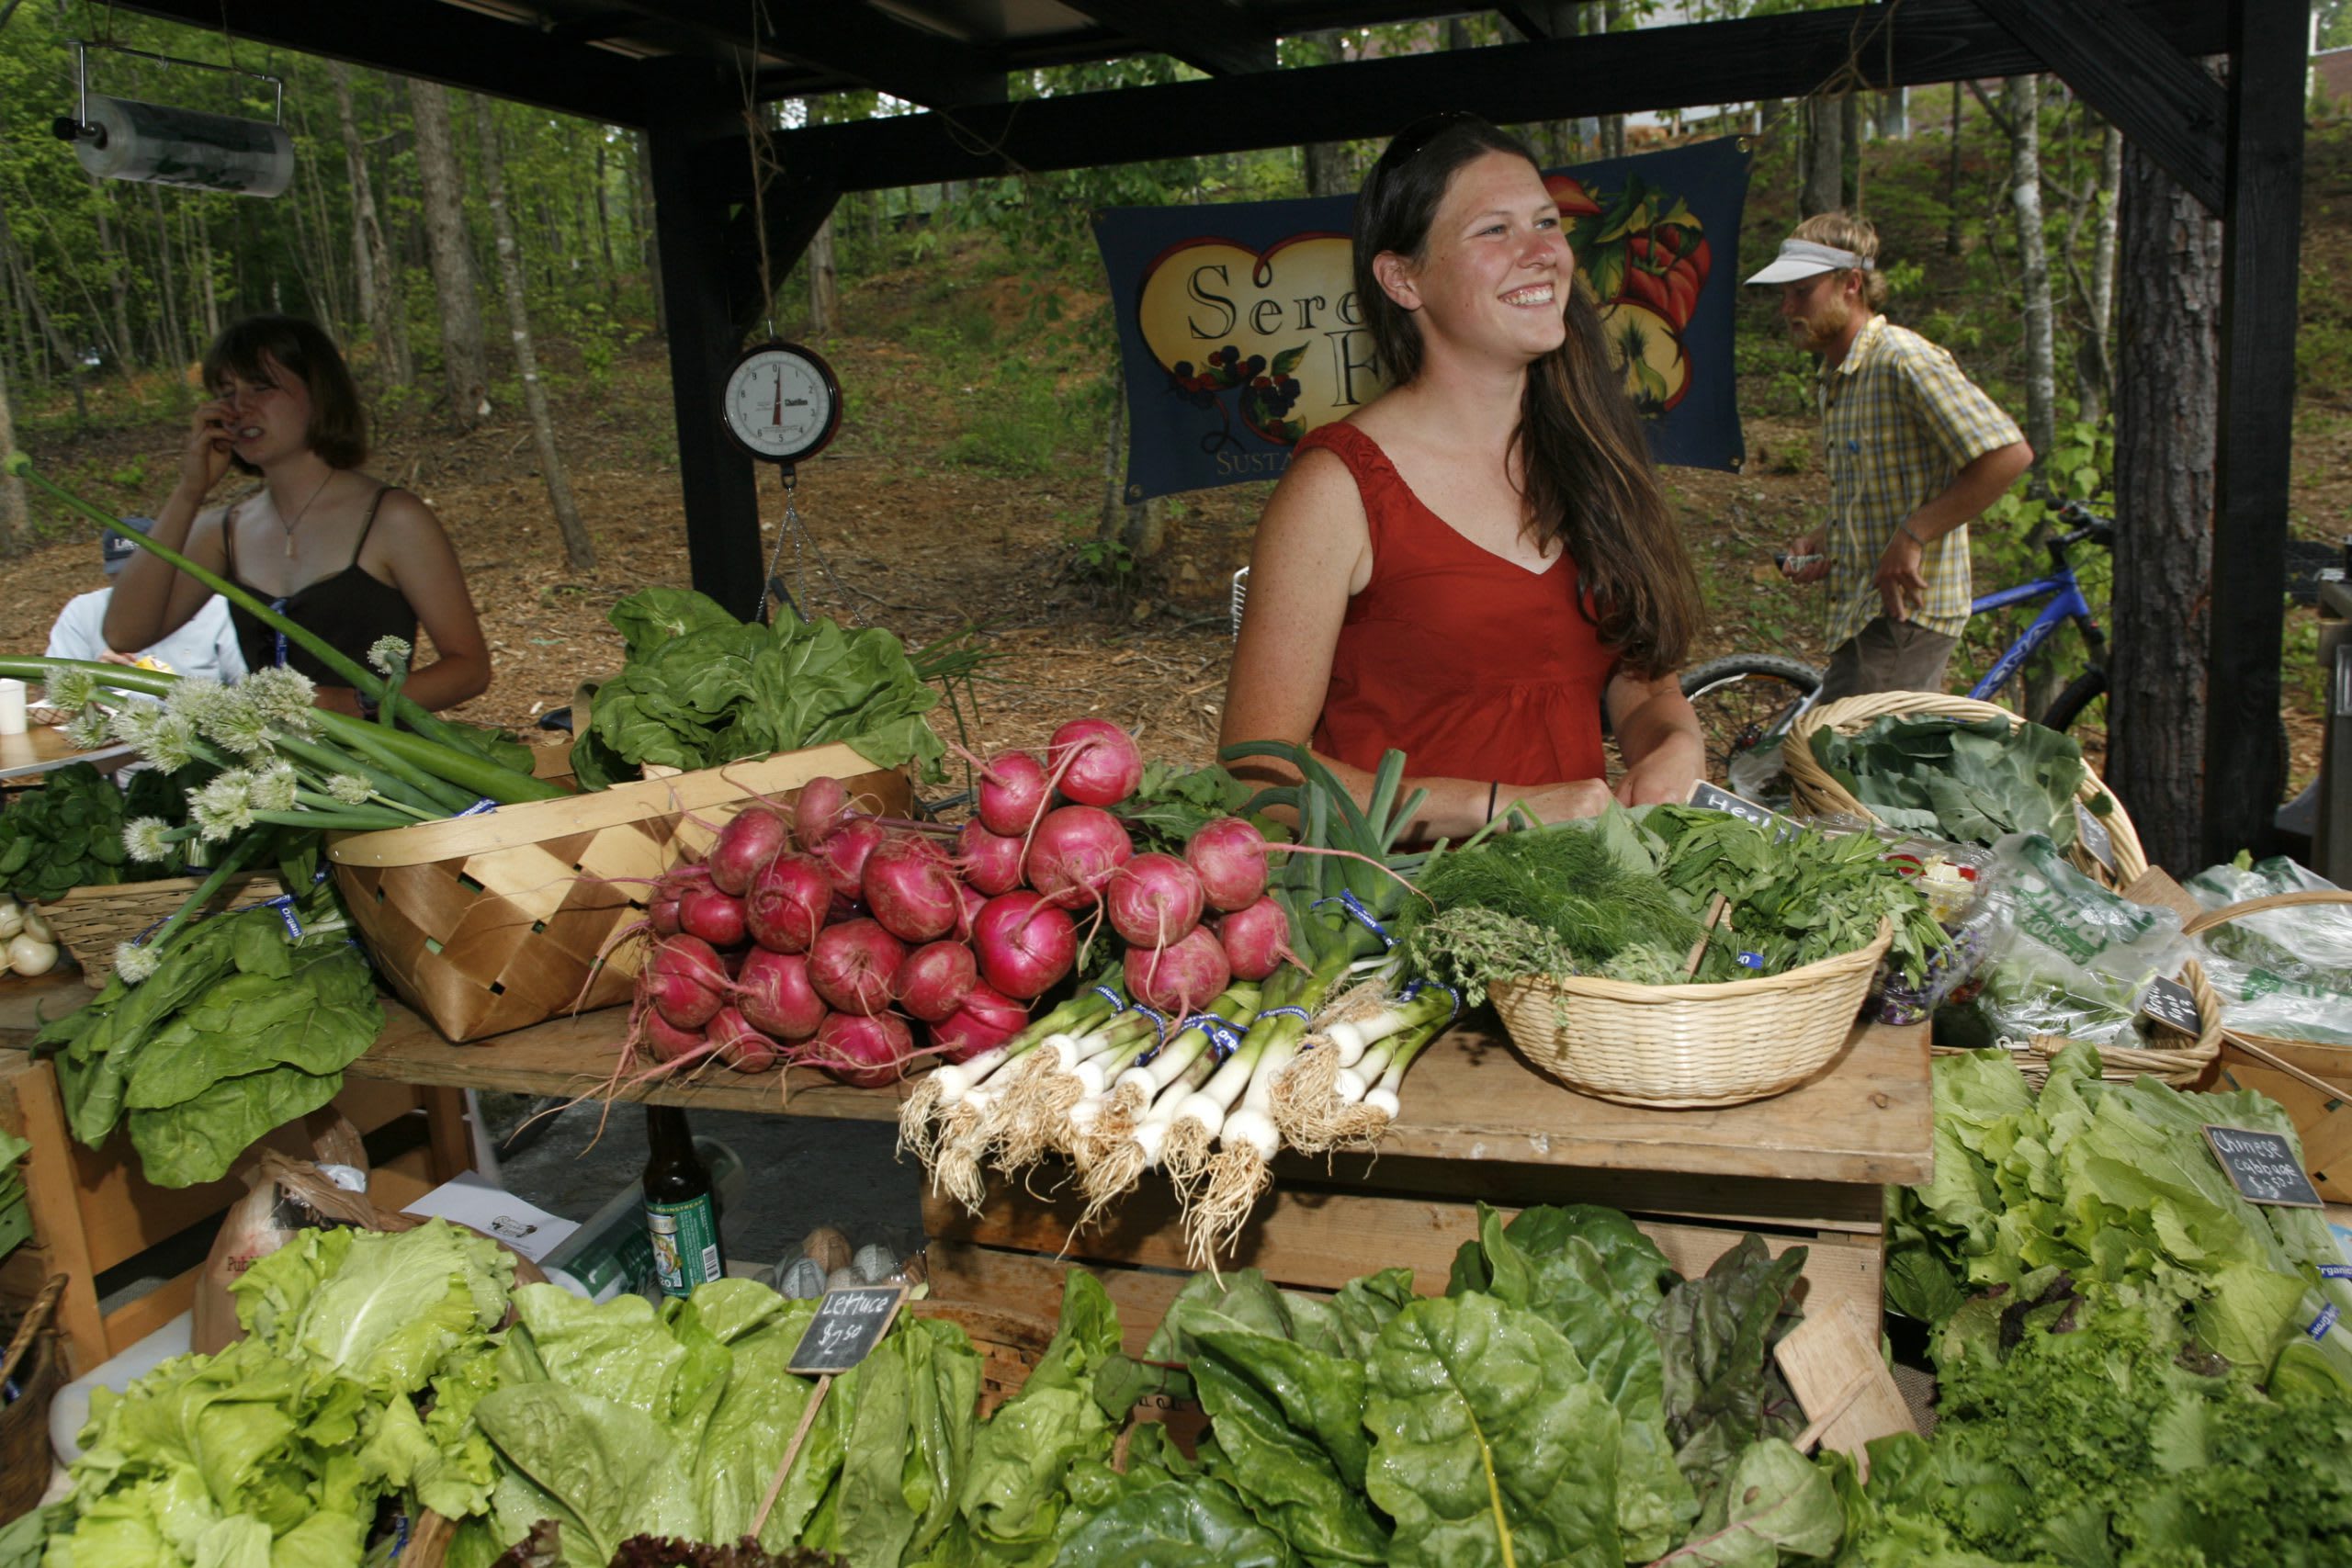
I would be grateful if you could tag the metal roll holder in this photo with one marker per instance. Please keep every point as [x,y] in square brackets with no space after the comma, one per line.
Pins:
[125,138]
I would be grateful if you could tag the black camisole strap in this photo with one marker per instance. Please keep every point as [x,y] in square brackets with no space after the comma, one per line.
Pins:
[369,522]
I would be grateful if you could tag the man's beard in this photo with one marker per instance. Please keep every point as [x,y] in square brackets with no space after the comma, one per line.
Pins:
[1817,331]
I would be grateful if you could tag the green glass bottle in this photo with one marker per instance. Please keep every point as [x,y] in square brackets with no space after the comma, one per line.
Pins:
[680,1211]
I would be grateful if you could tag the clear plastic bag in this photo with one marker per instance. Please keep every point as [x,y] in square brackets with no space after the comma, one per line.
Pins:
[2284,972]
[2069,958]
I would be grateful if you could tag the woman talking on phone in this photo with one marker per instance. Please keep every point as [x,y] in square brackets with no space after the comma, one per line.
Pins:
[336,551]
[1470,566]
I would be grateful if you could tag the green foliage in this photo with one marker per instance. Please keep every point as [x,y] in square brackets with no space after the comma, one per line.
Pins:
[68,834]
[1969,782]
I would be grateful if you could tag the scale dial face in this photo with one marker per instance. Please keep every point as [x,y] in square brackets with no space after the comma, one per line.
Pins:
[781,402]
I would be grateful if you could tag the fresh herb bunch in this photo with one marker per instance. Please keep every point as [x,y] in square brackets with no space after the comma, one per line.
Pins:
[69,832]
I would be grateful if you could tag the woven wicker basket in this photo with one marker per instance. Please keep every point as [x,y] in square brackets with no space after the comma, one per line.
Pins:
[490,923]
[90,922]
[1685,1046]
[2212,918]
[1815,793]
[2182,1067]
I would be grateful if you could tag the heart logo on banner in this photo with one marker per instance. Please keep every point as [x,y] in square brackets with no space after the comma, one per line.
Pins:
[1281,324]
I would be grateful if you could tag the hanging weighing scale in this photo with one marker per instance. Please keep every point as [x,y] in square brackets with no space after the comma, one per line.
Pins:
[781,404]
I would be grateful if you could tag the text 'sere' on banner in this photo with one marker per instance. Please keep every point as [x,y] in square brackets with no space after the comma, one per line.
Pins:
[1239,329]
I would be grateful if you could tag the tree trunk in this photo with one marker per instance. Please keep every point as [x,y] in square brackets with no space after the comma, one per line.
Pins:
[117,276]
[604,223]
[648,248]
[579,549]
[2024,101]
[382,303]
[205,292]
[1952,181]
[1850,151]
[2094,365]
[16,522]
[167,287]
[1822,161]
[1140,525]
[465,373]
[1331,170]
[2168,392]
[1894,113]
[824,282]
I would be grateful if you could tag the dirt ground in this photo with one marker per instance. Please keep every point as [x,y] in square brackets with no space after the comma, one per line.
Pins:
[899,536]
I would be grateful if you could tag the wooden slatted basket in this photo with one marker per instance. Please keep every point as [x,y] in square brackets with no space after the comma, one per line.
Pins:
[490,923]
[1815,792]
[1676,1047]
[91,921]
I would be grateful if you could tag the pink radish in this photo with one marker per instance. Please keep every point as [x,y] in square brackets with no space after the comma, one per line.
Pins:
[912,890]
[755,836]
[1014,790]
[1153,899]
[869,1052]
[1185,975]
[789,902]
[774,996]
[1228,855]
[662,910]
[735,1042]
[1024,945]
[670,1042]
[1256,940]
[973,902]
[935,978]
[715,917]
[1094,761]
[1073,853]
[990,862]
[988,1019]
[843,854]
[686,981]
[820,807]
[853,966]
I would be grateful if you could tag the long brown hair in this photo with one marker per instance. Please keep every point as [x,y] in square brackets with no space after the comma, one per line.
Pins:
[1590,481]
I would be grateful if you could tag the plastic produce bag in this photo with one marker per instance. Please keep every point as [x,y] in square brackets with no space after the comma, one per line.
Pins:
[2070,959]
[2284,972]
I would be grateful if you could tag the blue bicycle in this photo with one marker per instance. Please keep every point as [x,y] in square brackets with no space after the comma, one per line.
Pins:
[1748,702]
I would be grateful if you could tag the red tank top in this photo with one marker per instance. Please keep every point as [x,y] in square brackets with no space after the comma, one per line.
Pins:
[1472,665]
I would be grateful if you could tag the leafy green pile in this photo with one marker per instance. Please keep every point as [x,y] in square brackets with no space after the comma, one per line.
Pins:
[699,688]
[2074,1431]
[1970,783]
[1171,802]
[68,834]
[2114,1186]
[242,1026]
[1623,896]
[16,1215]
[274,1453]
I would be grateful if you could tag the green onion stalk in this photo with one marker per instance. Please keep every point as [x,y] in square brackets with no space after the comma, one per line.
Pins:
[1342,894]
[1147,1095]
[383,692]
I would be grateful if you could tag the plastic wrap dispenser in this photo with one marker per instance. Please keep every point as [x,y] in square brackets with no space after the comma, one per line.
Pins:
[123,138]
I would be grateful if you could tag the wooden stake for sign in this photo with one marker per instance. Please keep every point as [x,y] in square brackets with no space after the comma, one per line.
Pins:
[1715,907]
[791,1452]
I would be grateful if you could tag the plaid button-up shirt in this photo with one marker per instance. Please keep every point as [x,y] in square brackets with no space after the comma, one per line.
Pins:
[1898,422]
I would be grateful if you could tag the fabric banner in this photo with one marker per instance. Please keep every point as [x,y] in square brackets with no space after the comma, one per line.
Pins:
[1240,332]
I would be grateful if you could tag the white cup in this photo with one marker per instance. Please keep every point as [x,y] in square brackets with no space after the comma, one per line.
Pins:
[12,707]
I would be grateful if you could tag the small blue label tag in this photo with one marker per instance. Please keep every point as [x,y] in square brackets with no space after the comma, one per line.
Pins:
[2323,1321]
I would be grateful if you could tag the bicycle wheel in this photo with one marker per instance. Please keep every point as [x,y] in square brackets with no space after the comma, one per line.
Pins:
[1745,703]
[2069,704]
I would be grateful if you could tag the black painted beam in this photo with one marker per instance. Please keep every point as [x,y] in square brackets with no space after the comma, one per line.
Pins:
[2261,219]
[704,295]
[1710,63]
[2127,71]
[1543,18]
[871,46]
[1208,35]
[435,42]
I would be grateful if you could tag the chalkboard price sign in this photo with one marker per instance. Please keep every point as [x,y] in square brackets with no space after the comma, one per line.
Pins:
[1713,798]
[2096,840]
[2169,1003]
[2262,1167]
[849,1323]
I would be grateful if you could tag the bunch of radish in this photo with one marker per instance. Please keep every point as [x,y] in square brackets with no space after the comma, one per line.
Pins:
[825,935]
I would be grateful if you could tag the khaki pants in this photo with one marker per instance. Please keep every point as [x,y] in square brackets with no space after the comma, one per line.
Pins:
[1887,656]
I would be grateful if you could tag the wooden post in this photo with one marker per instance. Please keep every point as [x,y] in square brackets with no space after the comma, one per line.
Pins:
[2261,215]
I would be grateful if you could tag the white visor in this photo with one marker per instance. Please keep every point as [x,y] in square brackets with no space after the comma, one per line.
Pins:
[1802,258]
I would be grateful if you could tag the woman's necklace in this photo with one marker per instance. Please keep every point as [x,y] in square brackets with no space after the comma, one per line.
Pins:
[305,512]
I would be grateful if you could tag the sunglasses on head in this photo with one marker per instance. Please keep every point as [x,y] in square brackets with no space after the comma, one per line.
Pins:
[1407,144]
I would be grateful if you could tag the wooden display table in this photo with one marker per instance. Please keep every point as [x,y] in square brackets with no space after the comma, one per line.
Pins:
[41,749]
[1805,1168]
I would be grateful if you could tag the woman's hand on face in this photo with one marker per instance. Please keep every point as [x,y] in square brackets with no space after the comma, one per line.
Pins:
[206,456]
[1559,801]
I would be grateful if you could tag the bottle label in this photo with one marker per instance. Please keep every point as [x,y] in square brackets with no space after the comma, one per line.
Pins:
[685,1244]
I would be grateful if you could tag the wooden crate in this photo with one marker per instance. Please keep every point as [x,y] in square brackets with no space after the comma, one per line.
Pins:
[92,1209]
[2323,1121]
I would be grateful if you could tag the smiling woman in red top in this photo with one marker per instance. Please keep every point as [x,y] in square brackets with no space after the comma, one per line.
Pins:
[1470,566]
